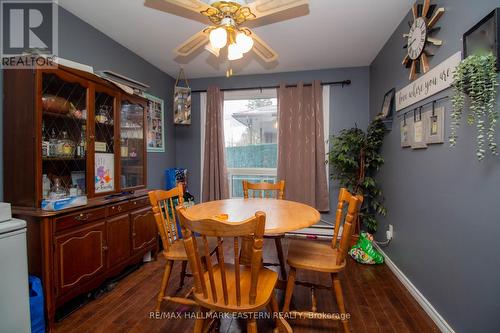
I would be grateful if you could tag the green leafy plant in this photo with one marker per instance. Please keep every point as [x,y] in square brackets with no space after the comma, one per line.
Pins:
[355,159]
[476,79]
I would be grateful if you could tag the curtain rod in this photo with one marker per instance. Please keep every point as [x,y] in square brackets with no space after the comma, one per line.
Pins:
[342,83]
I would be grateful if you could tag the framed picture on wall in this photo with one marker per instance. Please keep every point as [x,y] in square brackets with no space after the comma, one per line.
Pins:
[484,36]
[387,104]
[434,125]
[405,126]
[418,132]
[156,125]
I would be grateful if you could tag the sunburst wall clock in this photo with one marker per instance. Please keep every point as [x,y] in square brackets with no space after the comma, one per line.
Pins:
[419,38]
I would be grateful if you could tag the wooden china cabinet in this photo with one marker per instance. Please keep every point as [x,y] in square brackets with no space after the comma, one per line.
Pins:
[68,130]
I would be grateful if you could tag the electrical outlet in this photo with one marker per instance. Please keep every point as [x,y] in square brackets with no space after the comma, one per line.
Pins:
[390,232]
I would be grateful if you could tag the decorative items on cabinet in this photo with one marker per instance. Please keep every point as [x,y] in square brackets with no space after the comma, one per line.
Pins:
[155,124]
[484,37]
[182,101]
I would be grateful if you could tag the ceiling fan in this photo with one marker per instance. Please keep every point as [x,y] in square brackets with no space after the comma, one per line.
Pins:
[226,29]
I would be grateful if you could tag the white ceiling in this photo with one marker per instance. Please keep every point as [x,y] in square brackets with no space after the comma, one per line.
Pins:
[333,34]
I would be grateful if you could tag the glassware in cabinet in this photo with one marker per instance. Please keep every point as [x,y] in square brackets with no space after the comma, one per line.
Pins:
[132,144]
[104,143]
[64,121]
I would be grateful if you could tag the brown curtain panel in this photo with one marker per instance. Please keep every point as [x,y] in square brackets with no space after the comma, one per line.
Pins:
[301,145]
[215,183]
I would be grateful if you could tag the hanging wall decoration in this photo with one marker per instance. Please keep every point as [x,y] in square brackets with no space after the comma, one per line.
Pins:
[434,125]
[421,37]
[182,101]
[418,132]
[155,123]
[406,125]
[437,79]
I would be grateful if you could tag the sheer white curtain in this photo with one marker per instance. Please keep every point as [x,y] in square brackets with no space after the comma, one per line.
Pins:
[203,115]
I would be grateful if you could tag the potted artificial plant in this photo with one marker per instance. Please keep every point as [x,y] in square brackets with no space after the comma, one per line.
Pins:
[475,79]
[355,159]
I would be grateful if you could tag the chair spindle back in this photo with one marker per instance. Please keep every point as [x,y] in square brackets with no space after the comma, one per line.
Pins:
[354,205]
[164,212]
[219,228]
[264,190]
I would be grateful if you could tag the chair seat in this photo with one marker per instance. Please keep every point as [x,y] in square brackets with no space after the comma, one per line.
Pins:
[314,256]
[265,286]
[178,252]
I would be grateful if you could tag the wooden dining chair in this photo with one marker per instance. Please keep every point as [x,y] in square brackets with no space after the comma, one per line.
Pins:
[163,204]
[228,286]
[269,190]
[324,257]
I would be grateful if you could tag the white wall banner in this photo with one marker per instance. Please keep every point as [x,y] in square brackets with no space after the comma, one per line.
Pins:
[434,81]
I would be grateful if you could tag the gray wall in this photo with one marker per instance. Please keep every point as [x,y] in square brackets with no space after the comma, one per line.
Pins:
[442,202]
[348,107]
[78,41]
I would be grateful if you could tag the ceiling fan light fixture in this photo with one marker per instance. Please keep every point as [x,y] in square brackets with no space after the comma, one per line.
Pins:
[244,42]
[234,52]
[218,38]
[212,50]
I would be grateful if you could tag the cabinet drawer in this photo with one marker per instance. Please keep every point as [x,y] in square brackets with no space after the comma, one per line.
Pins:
[118,208]
[69,221]
[138,203]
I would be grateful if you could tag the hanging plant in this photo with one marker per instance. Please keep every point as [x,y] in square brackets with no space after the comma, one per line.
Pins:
[476,79]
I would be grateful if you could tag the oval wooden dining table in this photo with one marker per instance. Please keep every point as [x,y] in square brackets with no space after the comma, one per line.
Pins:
[282,216]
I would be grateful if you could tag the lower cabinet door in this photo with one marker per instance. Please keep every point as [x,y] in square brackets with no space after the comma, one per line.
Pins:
[144,231]
[118,236]
[80,255]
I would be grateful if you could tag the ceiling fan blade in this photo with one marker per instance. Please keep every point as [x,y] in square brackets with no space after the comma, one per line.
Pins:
[261,8]
[193,43]
[190,9]
[262,49]
[193,5]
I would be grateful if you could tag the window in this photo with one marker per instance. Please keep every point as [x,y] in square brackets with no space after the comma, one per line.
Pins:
[251,138]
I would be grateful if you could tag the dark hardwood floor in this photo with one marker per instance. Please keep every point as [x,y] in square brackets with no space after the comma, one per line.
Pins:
[376,300]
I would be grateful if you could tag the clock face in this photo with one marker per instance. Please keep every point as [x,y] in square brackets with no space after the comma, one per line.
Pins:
[417,38]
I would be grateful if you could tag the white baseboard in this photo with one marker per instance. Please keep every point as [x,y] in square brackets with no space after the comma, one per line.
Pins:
[424,303]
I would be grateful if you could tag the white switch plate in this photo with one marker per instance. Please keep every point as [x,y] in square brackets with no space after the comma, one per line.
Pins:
[390,232]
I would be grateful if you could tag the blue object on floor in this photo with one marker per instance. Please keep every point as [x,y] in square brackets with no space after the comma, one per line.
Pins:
[36,305]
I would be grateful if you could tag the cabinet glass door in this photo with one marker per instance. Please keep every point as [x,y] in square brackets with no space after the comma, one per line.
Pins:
[104,143]
[64,125]
[132,144]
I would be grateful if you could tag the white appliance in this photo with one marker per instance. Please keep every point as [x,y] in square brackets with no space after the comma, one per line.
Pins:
[14,295]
